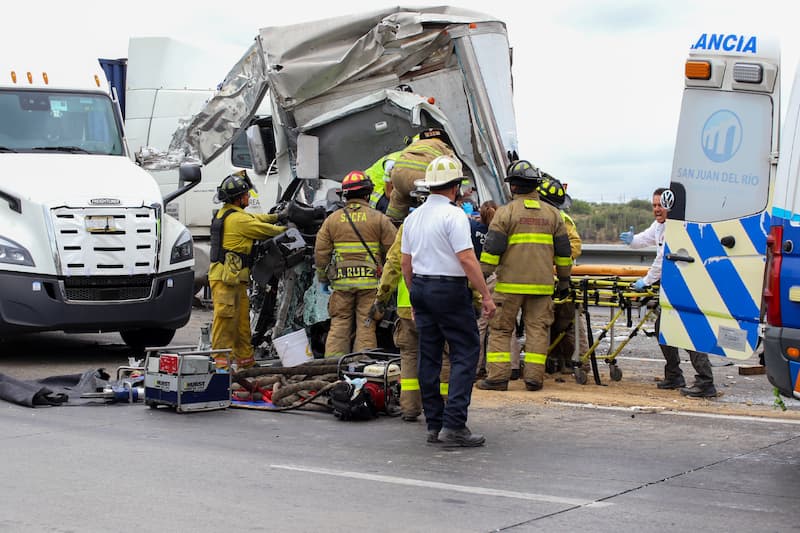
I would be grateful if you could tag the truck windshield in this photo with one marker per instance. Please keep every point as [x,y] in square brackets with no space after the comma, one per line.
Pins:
[56,121]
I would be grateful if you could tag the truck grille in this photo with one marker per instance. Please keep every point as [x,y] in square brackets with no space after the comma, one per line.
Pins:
[107,241]
[108,288]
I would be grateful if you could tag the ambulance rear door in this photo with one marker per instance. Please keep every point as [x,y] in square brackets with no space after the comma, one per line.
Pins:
[723,169]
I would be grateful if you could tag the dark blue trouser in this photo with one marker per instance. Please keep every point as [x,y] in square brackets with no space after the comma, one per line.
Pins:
[443,312]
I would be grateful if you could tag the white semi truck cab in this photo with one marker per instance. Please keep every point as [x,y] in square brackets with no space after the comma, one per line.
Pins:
[85,242]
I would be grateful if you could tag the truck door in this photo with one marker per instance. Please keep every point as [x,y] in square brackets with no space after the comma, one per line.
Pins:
[723,168]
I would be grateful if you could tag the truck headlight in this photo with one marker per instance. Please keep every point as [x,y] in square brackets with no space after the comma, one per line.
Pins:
[183,249]
[14,253]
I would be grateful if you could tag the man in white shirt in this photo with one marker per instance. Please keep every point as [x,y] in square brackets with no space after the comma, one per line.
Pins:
[437,261]
[673,375]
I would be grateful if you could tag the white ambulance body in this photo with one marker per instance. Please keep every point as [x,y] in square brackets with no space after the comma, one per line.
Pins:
[85,244]
[721,183]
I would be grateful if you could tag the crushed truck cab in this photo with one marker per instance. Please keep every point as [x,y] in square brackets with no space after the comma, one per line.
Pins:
[85,244]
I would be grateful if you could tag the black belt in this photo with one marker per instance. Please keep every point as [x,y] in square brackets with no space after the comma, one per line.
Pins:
[442,278]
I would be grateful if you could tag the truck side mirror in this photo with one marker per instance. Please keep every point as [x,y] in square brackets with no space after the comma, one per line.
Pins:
[189,175]
[258,153]
[307,157]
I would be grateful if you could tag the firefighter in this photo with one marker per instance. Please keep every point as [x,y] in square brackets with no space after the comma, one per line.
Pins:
[348,254]
[405,331]
[526,238]
[233,231]
[552,191]
[410,166]
[380,174]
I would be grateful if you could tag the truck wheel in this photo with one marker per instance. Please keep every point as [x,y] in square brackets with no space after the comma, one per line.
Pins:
[139,339]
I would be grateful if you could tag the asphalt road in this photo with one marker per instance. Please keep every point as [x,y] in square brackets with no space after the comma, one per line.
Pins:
[544,468]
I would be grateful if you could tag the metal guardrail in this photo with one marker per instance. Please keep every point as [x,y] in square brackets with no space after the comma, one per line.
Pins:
[616,254]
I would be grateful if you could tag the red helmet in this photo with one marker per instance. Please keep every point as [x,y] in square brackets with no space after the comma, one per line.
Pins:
[356,181]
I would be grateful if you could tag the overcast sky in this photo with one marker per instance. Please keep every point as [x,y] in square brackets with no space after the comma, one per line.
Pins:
[597,82]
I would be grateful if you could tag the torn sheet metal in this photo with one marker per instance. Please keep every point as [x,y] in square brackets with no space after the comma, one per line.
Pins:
[306,60]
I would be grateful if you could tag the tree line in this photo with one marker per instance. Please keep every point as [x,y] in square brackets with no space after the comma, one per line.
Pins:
[603,222]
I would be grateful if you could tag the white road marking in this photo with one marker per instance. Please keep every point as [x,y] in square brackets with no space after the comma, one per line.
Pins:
[482,491]
[668,411]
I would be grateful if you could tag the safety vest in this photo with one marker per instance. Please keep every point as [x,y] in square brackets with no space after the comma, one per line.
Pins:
[377,174]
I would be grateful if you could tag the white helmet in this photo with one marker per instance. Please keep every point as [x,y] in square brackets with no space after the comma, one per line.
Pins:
[441,171]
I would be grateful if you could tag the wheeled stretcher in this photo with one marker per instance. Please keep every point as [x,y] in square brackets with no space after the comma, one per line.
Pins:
[614,293]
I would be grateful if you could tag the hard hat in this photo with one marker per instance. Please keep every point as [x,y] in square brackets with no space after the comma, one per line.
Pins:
[356,181]
[232,187]
[551,191]
[523,171]
[442,171]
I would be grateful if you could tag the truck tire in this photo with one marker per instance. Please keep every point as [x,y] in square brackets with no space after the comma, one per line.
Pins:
[139,339]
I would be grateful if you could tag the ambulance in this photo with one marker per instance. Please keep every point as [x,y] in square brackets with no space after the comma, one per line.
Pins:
[723,176]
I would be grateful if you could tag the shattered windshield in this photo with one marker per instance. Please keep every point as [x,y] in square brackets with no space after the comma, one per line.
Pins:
[45,121]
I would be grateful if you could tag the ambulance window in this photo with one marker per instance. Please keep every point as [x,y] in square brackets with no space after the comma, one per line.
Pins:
[722,154]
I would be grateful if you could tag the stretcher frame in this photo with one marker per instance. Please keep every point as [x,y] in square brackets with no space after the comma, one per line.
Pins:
[614,293]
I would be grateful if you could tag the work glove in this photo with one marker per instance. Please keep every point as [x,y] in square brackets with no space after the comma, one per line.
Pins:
[283,214]
[325,287]
[639,285]
[377,311]
[627,236]
[562,289]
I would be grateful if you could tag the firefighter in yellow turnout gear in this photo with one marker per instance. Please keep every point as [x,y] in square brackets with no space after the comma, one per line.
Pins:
[348,254]
[405,332]
[233,231]
[410,166]
[552,191]
[526,238]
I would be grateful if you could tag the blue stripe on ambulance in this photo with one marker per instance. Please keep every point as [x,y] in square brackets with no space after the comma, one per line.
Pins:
[723,273]
[695,324]
[757,228]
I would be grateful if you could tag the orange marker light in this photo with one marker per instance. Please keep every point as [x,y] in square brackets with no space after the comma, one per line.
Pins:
[698,70]
[97,80]
[431,100]
[793,352]
[30,77]
[13,77]
[473,26]
[44,77]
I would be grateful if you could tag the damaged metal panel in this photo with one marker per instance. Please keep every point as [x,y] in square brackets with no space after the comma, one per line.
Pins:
[307,60]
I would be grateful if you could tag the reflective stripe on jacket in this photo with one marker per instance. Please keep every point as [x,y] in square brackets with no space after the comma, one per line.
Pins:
[526,238]
[339,255]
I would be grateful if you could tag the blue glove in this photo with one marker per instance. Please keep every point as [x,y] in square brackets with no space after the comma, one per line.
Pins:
[627,236]
[639,285]
[325,286]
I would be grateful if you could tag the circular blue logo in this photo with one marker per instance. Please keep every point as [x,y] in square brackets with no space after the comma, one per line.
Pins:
[721,136]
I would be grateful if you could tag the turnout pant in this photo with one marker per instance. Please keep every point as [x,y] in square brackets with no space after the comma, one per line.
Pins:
[230,327]
[407,340]
[343,308]
[564,317]
[537,315]
[443,312]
